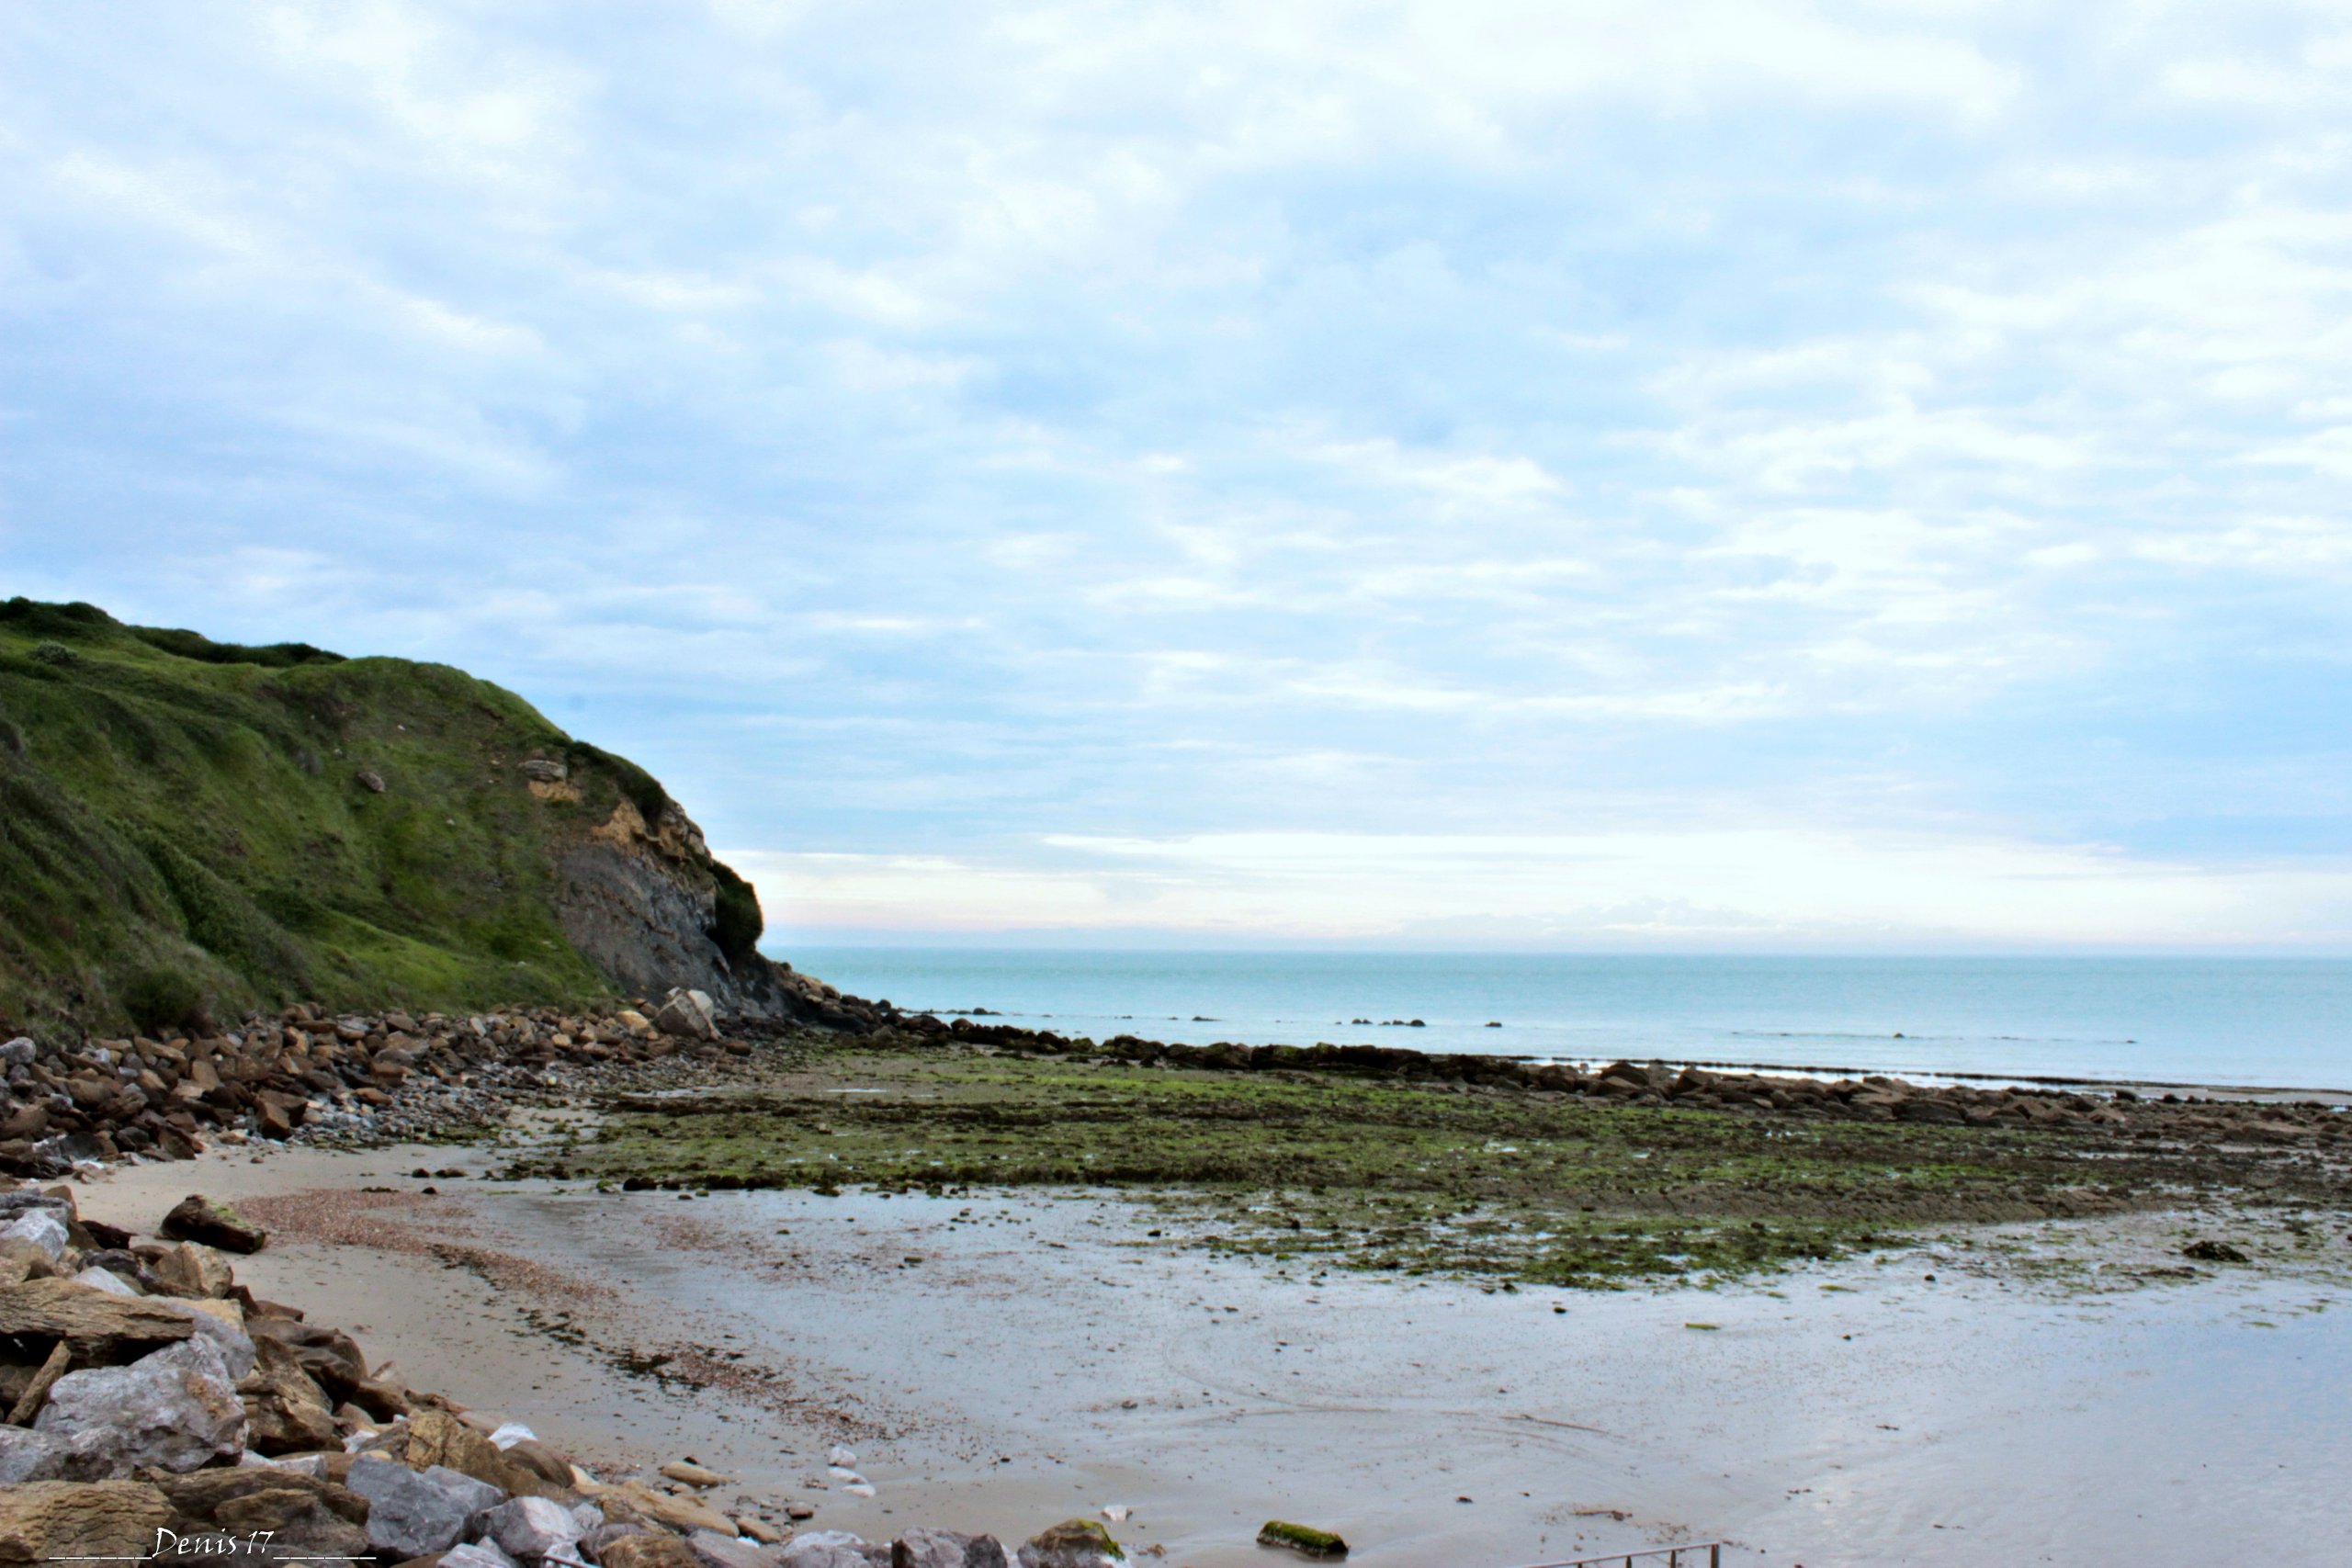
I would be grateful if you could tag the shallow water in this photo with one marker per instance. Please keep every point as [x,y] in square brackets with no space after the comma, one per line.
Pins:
[2284,1023]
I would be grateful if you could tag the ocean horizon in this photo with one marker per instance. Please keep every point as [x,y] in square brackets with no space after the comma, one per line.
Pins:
[2242,1021]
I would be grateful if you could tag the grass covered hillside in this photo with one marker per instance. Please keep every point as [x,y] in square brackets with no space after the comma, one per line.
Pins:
[191,827]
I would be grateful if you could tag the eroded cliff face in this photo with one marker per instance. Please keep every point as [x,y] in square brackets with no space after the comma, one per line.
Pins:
[641,902]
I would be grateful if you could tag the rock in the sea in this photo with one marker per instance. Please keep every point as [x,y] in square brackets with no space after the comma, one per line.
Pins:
[2211,1251]
[529,1528]
[43,1521]
[414,1513]
[199,1218]
[693,1474]
[1073,1543]
[175,1409]
[946,1548]
[1305,1540]
[646,1549]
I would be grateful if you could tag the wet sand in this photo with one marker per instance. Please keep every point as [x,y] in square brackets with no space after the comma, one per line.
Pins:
[1046,1357]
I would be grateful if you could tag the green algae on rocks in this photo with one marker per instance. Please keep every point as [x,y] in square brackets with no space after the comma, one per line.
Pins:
[1335,1170]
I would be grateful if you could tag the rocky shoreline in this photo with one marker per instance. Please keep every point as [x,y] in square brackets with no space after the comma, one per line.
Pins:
[311,1075]
[155,1407]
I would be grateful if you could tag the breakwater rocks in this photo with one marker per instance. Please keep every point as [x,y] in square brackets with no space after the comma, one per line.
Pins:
[311,1076]
[156,1408]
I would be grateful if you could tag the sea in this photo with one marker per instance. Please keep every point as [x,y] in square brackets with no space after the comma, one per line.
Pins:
[2261,1022]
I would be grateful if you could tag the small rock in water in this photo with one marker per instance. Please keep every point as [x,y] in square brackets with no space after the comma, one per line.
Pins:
[1305,1540]
[840,1455]
[799,1511]
[1117,1513]
[693,1474]
[860,1489]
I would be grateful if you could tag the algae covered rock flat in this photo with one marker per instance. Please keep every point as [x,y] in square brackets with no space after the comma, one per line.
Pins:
[190,827]
[1408,1171]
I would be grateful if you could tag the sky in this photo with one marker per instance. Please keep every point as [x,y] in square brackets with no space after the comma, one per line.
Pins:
[1846,476]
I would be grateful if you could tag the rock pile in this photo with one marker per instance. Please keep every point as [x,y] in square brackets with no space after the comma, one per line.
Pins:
[156,1407]
[322,1076]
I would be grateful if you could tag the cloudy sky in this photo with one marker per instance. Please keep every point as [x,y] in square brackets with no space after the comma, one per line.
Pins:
[1582,474]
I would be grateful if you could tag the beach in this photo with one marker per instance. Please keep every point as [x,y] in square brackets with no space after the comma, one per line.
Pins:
[997,1359]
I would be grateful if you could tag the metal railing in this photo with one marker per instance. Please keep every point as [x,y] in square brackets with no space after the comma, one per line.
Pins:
[1670,1555]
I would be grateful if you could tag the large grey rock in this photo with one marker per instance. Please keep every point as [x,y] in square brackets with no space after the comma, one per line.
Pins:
[27,1455]
[42,1228]
[946,1548]
[19,1052]
[176,1409]
[532,1527]
[475,1555]
[410,1513]
[105,1280]
[690,1013]
[716,1551]
[234,1345]
[824,1548]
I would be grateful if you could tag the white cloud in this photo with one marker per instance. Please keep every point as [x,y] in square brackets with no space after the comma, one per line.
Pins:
[1762,884]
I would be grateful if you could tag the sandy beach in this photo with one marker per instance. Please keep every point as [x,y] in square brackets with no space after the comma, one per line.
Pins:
[996,1361]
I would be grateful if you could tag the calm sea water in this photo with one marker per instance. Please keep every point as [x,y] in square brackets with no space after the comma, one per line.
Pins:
[2284,1023]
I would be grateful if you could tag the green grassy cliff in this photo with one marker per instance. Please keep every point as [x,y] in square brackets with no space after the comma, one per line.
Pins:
[189,827]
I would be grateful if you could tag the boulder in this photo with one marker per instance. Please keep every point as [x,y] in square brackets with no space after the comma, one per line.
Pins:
[685,1515]
[475,1555]
[1305,1540]
[693,1474]
[529,1529]
[209,1496]
[42,1521]
[411,1513]
[100,1326]
[1073,1543]
[199,1218]
[299,1522]
[435,1436]
[717,1549]
[330,1358]
[105,1280]
[688,1013]
[27,1455]
[645,1549]
[192,1268]
[286,1410]
[824,1548]
[223,1326]
[40,1227]
[946,1548]
[176,1409]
